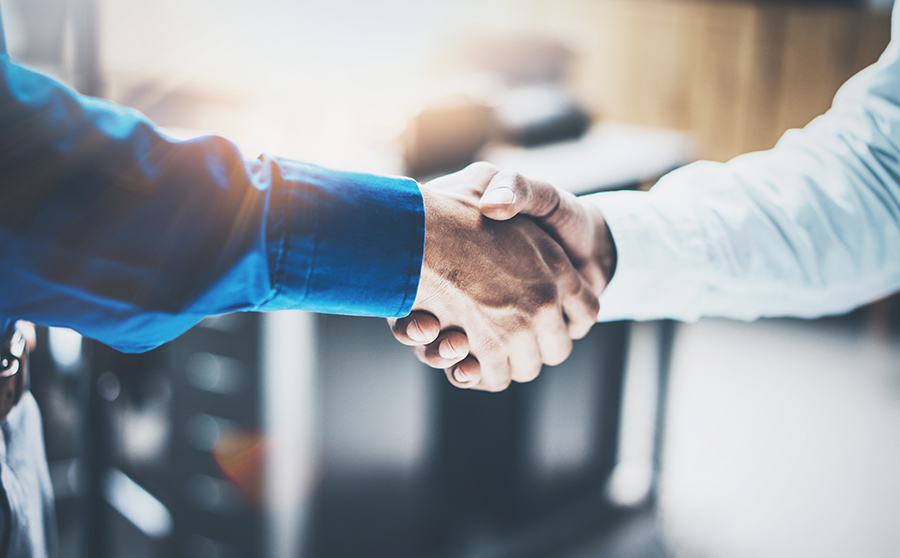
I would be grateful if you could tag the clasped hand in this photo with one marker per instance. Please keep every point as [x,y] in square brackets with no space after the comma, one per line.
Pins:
[500,294]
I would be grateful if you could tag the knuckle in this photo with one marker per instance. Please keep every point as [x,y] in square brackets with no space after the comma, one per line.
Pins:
[483,167]
[578,329]
[564,197]
[580,316]
[495,377]
[514,180]
[527,374]
[593,303]
[499,385]
[559,352]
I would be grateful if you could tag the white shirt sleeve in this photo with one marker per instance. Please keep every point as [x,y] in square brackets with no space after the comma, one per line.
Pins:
[808,228]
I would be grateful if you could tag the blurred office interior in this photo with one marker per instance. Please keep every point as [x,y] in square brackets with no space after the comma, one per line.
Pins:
[297,435]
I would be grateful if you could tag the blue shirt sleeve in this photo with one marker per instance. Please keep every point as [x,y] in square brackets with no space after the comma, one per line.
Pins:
[110,227]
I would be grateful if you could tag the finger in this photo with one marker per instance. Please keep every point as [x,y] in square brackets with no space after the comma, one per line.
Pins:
[509,193]
[449,348]
[496,374]
[553,339]
[525,360]
[466,374]
[580,306]
[572,226]
[418,328]
[566,215]
[453,345]
[578,302]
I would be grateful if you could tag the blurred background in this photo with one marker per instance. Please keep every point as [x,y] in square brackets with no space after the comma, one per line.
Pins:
[297,435]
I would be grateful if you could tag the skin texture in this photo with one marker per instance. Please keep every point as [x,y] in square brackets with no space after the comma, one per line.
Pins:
[578,227]
[582,234]
[508,285]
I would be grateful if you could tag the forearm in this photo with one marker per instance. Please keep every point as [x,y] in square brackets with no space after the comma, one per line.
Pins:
[808,228]
[129,236]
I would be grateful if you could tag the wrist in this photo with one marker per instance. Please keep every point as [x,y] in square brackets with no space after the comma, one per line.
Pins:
[604,254]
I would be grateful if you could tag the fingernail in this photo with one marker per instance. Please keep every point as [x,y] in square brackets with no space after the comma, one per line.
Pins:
[446,350]
[460,376]
[500,196]
[415,332]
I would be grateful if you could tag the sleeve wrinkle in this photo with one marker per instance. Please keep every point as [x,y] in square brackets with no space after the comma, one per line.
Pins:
[310,269]
[279,206]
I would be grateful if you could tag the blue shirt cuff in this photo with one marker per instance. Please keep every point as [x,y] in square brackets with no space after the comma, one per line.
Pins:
[344,243]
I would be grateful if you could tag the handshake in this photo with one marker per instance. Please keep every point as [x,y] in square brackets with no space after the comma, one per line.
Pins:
[500,294]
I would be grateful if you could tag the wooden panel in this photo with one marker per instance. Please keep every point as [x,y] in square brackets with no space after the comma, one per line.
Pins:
[720,92]
[737,75]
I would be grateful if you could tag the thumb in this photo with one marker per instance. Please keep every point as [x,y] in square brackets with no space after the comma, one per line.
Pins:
[509,194]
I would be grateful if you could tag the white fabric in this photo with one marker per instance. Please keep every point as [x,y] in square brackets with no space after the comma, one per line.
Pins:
[808,228]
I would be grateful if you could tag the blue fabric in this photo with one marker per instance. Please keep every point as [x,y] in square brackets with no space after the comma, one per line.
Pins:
[110,227]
